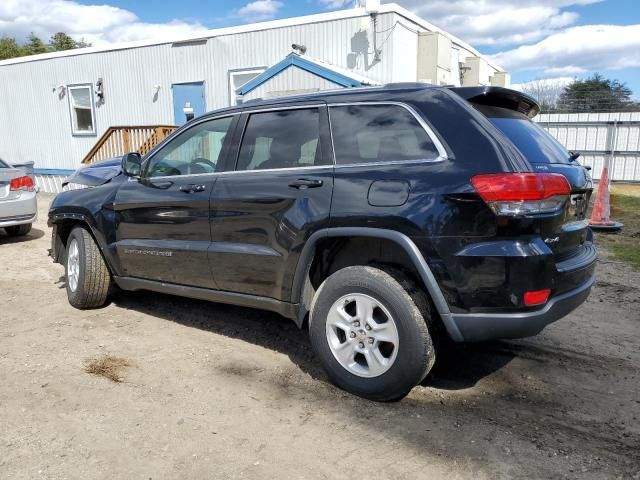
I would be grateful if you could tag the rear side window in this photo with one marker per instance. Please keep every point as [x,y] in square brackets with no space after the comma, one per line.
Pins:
[281,139]
[534,142]
[378,133]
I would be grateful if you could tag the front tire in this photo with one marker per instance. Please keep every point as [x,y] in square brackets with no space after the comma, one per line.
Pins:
[18,230]
[87,275]
[369,328]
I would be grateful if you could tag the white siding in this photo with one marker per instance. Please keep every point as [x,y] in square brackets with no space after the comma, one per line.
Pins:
[404,40]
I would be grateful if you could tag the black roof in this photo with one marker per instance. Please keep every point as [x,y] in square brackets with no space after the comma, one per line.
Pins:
[496,96]
[330,96]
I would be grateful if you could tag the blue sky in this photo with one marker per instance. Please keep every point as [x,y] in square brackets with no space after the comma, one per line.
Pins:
[532,39]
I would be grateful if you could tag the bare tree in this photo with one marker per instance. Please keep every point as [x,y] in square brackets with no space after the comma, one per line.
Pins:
[546,91]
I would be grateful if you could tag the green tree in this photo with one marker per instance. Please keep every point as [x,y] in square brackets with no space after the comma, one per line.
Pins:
[34,45]
[596,94]
[9,48]
[61,41]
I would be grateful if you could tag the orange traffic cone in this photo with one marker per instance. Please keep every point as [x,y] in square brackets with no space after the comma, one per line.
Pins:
[601,208]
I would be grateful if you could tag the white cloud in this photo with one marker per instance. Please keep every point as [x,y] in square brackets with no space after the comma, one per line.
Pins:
[98,24]
[497,22]
[577,50]
[149,31]
[333,4]
[259,10]
[490,22]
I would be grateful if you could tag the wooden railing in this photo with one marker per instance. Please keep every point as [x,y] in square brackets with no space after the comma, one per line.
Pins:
[117,141]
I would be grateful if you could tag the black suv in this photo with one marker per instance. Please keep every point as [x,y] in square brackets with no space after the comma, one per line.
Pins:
[387,217]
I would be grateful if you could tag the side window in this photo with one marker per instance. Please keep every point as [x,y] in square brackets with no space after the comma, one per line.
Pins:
[281,139]
[196,150]
[81,109]
[378,133]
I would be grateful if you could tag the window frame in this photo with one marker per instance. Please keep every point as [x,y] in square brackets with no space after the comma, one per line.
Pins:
[442,152]
[82,133]
[239,71]
[224,152]
[324,141]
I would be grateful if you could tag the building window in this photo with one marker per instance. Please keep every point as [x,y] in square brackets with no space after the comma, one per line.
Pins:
[81,109]
[239,77]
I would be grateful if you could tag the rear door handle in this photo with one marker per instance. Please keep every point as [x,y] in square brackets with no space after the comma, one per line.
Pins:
[192,188]
[303,183]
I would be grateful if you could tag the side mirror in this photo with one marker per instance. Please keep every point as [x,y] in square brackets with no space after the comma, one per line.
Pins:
[132,164]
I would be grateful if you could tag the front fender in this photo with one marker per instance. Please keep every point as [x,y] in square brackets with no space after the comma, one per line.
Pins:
[91,207]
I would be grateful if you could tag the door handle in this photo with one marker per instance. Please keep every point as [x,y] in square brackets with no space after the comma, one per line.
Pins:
[304,183]
[162,185]
[191,188]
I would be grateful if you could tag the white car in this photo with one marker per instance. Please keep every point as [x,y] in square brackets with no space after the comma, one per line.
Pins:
[18,204]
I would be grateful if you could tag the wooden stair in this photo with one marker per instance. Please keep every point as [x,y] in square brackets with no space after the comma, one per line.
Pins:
[117,141]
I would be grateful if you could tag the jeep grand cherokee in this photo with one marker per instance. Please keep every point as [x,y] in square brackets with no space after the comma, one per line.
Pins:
[382,218]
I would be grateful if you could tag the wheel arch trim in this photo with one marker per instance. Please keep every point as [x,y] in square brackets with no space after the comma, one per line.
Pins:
[308,253]
[88,222]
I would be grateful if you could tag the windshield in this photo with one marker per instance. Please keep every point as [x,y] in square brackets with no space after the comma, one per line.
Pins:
[535,143]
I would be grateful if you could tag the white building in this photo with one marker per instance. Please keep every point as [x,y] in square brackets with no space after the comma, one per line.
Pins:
[55,107]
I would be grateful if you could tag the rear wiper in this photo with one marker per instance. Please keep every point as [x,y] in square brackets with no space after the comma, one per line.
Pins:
[573,156]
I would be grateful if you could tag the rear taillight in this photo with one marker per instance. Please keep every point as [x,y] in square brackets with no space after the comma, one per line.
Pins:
[22,183]
[536,297]
[514,194]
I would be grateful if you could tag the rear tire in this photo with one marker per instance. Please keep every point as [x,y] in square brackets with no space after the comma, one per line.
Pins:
[18,230]
[87,275]
[369,328]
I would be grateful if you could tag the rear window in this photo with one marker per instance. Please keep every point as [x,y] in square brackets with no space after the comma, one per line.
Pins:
[535,143]
[3,165]
[378,133]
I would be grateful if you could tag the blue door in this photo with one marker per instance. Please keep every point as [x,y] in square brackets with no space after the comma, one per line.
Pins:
[188,101]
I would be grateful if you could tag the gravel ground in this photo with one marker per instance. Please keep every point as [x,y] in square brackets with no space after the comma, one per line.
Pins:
[214,391]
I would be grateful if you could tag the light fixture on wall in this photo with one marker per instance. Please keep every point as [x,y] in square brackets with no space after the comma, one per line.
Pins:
[61,89]
[156,90]
[100,89]
[299,49]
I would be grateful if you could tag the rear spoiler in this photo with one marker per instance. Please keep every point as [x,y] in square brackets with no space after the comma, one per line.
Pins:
[500,97]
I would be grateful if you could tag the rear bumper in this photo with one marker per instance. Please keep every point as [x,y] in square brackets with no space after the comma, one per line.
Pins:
[19,211]
[477,327]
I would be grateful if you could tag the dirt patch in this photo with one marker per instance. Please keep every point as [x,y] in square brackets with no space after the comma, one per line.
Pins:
[107,366]
[234,393]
